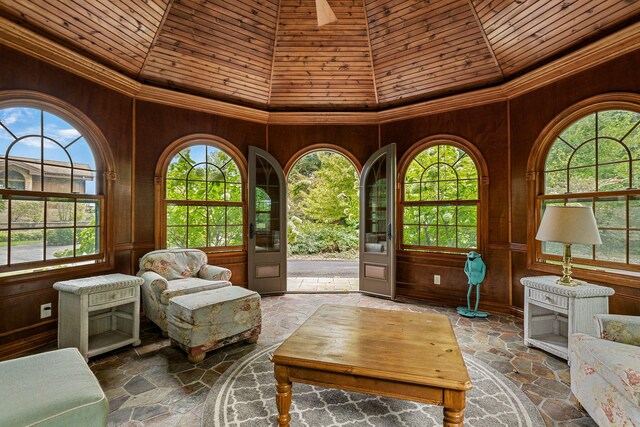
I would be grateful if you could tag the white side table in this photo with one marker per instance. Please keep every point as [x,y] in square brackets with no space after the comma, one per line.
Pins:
[99,314]
[553,312]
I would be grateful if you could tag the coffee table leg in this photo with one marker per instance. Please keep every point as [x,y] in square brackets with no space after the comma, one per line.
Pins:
[283,395]
[454,403]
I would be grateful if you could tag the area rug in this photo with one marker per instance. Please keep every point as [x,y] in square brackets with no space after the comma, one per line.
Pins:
[245,397]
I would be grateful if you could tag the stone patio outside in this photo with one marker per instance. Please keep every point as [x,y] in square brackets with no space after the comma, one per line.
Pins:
[318,275]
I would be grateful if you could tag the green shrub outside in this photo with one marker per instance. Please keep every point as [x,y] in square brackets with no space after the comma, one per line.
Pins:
[323,205]
[60,237]
[312,238]
[25,236]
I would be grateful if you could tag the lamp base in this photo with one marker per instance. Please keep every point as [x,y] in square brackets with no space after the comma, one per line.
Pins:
[567,281]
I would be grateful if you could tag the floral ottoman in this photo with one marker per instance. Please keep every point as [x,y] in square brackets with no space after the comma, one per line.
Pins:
[211,319]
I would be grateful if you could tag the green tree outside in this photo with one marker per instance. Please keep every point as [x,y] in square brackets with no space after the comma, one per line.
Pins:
[209,175]
[441,188]
[599,153]
[324,204]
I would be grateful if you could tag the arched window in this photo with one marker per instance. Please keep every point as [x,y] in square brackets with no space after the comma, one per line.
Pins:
[51,206]
[203,199]
[440,198]
[595,161]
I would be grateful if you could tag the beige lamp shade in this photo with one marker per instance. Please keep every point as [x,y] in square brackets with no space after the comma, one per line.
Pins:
[569,224]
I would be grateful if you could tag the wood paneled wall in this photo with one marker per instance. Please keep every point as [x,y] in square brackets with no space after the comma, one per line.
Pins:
[529,114]
[138,132]
[20,325]
[157,127]
[486,127]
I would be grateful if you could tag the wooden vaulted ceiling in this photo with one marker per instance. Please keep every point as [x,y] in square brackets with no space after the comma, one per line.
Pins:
[271,53]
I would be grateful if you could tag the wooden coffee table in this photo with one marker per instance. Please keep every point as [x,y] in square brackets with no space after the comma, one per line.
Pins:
[398,354]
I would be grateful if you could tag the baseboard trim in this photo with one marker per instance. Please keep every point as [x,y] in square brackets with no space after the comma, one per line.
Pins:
[28,344]
[455,302]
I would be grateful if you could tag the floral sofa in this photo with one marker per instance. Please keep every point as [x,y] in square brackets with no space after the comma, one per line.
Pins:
[168,273]
[605,371]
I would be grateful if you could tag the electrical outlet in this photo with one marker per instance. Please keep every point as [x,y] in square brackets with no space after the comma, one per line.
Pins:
[436,279]
[45,310]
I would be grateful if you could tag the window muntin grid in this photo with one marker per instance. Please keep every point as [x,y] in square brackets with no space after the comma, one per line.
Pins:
[595,161]
[440,201]
[203,199]
[50,209]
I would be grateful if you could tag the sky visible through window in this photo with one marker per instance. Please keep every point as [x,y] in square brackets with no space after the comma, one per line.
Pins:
[25,124]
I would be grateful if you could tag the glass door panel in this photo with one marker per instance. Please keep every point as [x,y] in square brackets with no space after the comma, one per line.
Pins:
[267,250]
[377,217]
[375,195]
[267,194]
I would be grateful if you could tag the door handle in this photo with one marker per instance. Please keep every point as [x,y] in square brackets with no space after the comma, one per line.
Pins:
[252,231]
[389,235]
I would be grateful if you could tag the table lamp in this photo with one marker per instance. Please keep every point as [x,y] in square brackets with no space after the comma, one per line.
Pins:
[568,225]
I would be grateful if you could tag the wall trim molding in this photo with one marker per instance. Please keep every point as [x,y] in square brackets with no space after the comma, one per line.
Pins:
[323,117]
[200,103]
[460,101]
[28,344]
[612,46]
[32,44]
[136,246]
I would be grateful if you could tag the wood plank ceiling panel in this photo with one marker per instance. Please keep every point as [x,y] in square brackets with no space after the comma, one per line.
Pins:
[425,48]
[329,66]
[118,33]
[217,48]
[271,53]
[525,33]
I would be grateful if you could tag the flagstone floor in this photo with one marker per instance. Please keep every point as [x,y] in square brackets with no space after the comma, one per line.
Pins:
[154,385]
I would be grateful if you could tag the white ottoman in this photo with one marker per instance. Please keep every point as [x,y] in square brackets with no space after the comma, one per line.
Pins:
[56,388]
[211,319]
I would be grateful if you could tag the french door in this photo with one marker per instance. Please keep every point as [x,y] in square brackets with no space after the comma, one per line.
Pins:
[377,224]
[267,248]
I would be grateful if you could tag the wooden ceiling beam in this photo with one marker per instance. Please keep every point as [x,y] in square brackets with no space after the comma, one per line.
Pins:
[156,35]
[484,36]
[275,52]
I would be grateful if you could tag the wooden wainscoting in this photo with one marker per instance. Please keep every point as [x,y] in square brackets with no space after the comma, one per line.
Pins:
[415,279]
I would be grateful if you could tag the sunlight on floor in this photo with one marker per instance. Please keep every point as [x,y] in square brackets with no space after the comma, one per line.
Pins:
[322,284]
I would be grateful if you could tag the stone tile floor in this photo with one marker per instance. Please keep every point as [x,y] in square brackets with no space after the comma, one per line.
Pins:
[154,385]
[322,284]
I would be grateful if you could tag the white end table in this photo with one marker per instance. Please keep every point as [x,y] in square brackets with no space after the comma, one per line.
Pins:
[553,312]
[99,314]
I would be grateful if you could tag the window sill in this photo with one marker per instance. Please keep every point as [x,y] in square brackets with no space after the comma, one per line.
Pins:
[57,273]
[601,275]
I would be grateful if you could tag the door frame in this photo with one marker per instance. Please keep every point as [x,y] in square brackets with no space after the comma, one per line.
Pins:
[273,263]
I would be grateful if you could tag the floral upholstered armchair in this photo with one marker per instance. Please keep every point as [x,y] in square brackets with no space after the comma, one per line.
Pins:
[605,371]
[168,273]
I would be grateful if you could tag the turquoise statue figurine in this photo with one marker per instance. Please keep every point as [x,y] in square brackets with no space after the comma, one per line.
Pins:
[475,269]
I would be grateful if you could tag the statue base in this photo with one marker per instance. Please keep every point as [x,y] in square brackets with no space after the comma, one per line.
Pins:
[466,312]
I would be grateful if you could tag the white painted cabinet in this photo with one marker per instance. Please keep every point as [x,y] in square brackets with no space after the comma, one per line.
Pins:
[553,312]
[99,314]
